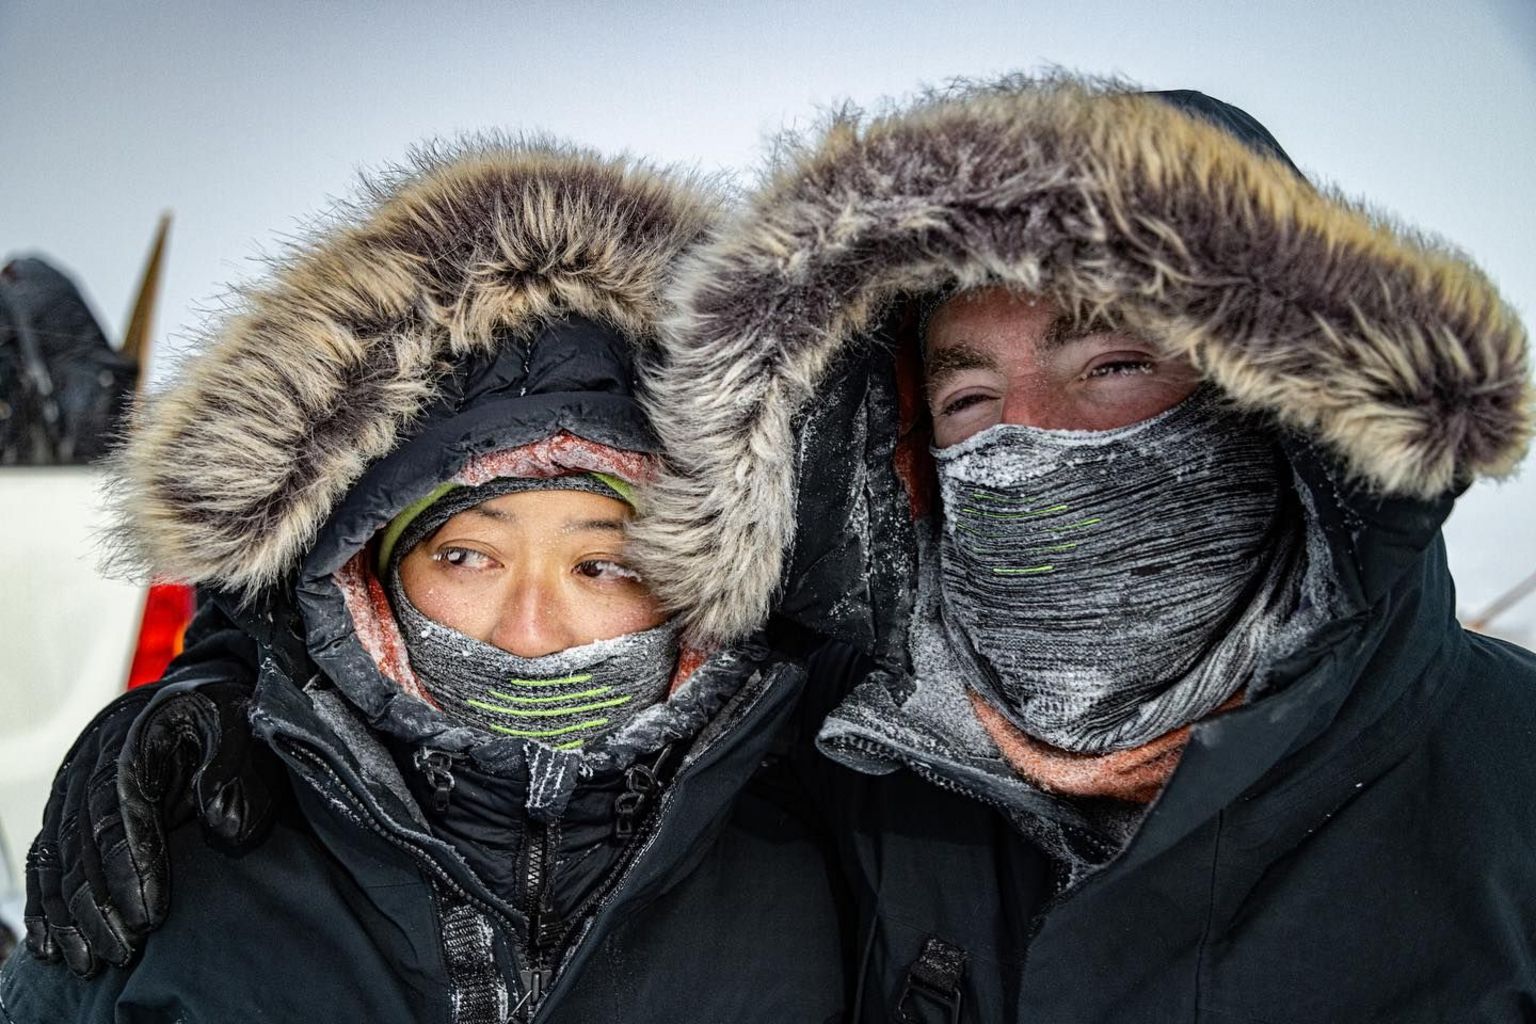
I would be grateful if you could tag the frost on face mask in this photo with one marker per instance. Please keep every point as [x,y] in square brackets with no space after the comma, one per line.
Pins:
[564,700]
[1111,586]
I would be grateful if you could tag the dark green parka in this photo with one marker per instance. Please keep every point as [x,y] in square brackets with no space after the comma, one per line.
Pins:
[1357,842]
[493,299]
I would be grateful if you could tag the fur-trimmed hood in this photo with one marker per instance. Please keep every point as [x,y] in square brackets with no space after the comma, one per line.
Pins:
[1393,353]
[325,366]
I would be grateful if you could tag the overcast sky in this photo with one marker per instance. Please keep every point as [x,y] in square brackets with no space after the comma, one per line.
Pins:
[245,117]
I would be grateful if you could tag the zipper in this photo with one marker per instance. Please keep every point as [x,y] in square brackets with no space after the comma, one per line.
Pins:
[540,850]
[365,815]
[547,932]
[644,828]
[640,837]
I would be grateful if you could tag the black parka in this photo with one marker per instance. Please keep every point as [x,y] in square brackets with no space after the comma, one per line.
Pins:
[1357,842]
[489,299]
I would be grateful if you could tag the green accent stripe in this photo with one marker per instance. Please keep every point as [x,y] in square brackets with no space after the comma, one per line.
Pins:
[1081,522]
[623,488]
[1000,499]
[1016,515]
[537,683]
[1049,549]
[392,533]
[1034,570]
[570,745]
[551,712]
[598,692]
[592,723]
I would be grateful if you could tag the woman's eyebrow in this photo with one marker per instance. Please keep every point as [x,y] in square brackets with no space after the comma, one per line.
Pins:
[952,359]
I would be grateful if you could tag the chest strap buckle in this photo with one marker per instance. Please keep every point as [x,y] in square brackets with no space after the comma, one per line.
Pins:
[933,984]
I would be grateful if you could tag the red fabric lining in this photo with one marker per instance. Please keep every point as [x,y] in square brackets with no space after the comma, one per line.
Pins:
[913,457]
[560,455]
[374,622]
[688,661]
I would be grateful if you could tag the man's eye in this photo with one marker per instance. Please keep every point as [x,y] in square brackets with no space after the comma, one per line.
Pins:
[1122,366]
[603,569]
[963,403]
[463,558]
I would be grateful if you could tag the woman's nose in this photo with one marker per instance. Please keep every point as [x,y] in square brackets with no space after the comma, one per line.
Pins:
[532,621]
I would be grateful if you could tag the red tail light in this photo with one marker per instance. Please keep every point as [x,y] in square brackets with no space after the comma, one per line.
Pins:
[167,610]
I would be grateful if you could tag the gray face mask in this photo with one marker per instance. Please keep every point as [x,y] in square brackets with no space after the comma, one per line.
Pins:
[1111,586]
[565,700]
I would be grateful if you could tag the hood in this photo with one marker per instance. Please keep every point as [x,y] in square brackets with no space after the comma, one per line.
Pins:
[1386,357]
[482,312]
[419,300]
[798,473]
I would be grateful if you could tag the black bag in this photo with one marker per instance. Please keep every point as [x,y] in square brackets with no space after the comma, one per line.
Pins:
[62,385]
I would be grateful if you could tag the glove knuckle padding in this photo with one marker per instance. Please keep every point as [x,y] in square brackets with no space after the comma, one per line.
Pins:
[118,886]
[70,912]
[42,866]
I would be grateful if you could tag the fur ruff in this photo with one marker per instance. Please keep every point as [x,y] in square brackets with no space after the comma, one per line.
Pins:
[227,475]
[1393,352]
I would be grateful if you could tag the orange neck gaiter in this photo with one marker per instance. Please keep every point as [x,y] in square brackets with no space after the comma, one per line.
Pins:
[1135,776]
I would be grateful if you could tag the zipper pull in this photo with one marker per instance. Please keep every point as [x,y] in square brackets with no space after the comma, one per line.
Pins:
[535,983]
[640,782]
[437,766]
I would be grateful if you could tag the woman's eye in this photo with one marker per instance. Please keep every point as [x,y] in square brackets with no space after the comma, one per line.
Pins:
[463,558]
[603,569]
[1121,367]
[964,402]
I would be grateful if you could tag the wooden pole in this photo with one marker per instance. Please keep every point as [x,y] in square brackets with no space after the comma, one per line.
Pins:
[137,338]
[1501,604]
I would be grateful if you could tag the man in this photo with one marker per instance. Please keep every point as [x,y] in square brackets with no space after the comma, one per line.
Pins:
[1123,452]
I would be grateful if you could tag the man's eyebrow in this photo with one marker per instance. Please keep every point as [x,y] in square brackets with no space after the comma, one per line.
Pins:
[593,525]
[953,359]
[491,513]
[1066,329]
[1063,331]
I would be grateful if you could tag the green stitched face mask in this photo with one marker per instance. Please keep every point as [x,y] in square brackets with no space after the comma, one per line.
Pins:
[1111,586]
[564,700]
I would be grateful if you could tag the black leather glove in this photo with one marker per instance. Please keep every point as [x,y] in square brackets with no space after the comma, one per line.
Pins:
[97,875]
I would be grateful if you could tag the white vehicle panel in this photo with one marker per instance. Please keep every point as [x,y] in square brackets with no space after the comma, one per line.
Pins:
[66,634]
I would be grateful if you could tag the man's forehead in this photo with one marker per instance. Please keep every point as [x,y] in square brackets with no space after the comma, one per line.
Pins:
[961,346]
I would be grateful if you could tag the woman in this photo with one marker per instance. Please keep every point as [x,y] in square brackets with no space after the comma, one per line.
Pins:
[507,791]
